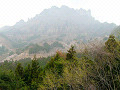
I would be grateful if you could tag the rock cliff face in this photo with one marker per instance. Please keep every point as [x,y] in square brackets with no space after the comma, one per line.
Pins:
[55,21]
[62,24]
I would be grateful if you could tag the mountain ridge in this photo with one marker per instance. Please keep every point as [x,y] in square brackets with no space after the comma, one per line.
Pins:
[56,21]
[63,24]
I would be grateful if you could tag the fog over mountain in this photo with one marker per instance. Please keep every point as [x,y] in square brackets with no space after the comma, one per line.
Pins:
[55,24]
[59,20]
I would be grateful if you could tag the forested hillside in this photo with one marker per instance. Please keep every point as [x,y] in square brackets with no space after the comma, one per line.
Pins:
[96,68]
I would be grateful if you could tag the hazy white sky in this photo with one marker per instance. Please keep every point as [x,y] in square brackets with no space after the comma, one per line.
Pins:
[11,11]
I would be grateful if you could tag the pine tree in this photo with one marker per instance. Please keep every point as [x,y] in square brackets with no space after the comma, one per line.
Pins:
[111,44]
[35,68]
[55,65]
[19,70]
[27,75]
[71,54]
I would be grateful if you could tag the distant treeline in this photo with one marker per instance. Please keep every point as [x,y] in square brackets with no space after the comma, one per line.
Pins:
[3,50]
[35,48]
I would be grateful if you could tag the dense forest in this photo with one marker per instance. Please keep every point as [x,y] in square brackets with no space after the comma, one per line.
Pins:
[94,68]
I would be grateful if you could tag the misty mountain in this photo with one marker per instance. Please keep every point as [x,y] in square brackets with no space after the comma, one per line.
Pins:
[64,24]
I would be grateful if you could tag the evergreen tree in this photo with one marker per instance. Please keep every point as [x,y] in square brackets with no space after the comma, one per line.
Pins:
[71,54]
[27,75]
[55,65]
[19,70]
[35,68]
[111,44]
